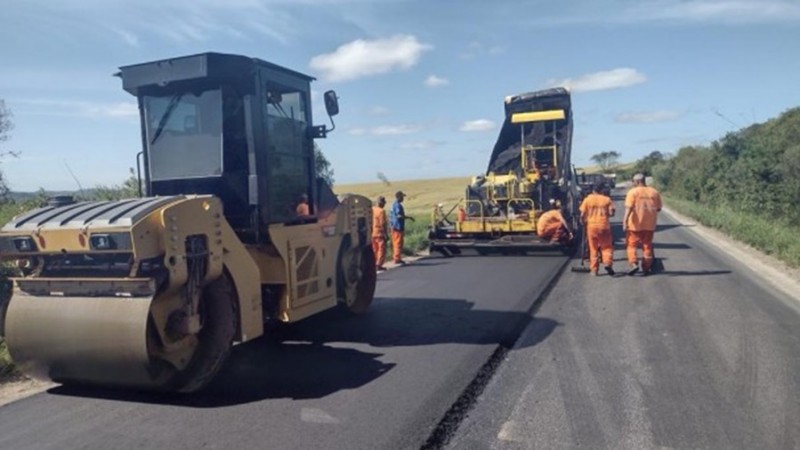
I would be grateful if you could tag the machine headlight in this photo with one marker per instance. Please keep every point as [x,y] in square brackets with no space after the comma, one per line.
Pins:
[24,244]
[110,241]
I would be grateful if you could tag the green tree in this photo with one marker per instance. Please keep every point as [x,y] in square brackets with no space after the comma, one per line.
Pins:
[646,164]
[606,160]
[6,125]
[128,189]
[324,169]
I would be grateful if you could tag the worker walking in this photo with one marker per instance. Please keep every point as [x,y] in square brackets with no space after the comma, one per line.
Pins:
[642,205]
[380,233]
[551,225]
[397,220]
[596,209]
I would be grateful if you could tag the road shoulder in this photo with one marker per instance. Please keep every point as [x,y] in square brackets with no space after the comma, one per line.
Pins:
[771,270]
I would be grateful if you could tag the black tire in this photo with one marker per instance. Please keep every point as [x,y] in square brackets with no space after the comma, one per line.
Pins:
[367,283]
[361,295]
[220,321]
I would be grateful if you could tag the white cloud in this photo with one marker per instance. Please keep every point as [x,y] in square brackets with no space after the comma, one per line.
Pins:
[386,130]
[602,81]
[434,81]
[477,125]
[393,130]
[123,109]
[357,131]
[361,58]
[647,117]
[421,145]
[727,12]
[78,108]
[127,37]
[724,11]
[379,111]
[475,49]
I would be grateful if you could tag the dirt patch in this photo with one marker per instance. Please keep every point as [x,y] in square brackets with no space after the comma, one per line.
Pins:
[18,387]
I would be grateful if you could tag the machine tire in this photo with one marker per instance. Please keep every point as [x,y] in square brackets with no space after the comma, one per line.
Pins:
[362,293]
[220,322]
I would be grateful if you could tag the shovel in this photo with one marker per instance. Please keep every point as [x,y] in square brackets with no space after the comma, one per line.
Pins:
[583,268]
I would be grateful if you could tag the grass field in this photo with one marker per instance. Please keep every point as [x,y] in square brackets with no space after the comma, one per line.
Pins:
[421,197]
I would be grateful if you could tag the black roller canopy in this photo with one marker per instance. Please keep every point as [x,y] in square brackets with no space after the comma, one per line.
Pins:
[218,68]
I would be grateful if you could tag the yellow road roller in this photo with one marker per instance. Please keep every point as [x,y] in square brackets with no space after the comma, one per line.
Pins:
[233,231]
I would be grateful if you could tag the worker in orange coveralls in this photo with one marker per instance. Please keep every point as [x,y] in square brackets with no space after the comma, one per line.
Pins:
[380,233]
[552,226]
[397,221]
[596,209]
[642,205]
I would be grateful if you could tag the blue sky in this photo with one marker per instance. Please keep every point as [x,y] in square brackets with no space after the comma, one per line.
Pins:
[421,83]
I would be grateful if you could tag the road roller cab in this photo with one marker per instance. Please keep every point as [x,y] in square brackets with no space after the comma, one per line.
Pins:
[152,292]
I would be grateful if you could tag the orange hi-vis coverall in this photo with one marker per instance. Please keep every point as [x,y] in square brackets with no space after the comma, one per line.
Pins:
[595,211]
[550,226]
[379,235]
[644,203]
[398,241]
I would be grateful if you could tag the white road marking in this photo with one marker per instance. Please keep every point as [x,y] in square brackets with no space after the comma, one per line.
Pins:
[316,415]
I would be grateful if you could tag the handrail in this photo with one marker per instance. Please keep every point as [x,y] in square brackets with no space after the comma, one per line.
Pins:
[529,148]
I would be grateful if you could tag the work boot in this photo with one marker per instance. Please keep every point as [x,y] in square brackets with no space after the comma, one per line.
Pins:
[634,268]
[609,270]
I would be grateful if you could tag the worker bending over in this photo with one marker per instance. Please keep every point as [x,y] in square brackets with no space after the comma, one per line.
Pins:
[552,226]
[596,209]
[379,233]
[642,205]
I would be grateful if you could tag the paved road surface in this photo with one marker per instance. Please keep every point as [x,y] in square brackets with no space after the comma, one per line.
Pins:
[383,380]
[702,356]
